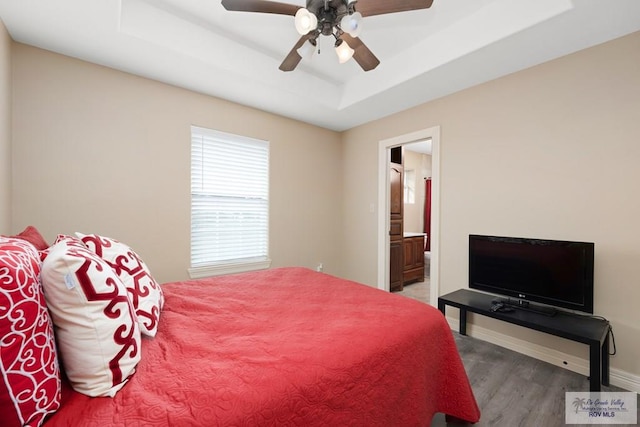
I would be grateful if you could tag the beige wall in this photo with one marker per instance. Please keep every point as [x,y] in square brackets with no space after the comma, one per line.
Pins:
[97,150]
[549,152]
[5,131]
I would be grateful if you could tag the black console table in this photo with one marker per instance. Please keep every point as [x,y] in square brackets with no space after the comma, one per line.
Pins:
[587,330]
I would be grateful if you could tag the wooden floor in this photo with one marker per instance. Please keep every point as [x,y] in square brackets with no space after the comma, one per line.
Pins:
[511,389]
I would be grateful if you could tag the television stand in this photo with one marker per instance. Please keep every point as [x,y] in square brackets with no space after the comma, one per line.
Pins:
[525,305]
[587,330]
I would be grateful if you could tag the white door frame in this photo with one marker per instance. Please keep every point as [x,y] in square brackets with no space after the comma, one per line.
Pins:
[384,147]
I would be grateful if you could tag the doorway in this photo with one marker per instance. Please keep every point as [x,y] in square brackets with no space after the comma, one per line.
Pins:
[384,149]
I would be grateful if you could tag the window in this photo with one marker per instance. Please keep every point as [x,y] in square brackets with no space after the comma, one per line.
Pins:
[410,186]
[229,203]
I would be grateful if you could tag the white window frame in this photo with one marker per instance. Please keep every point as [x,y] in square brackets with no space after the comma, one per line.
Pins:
[204,177]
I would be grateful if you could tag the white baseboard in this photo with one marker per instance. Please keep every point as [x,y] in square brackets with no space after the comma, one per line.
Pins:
[617,377]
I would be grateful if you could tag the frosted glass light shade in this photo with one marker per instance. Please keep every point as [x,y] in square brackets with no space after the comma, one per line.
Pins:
[305,21]
[306,50]
[344,51]
[352,24]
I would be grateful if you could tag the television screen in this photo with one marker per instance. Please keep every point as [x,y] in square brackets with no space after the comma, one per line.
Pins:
[553,272]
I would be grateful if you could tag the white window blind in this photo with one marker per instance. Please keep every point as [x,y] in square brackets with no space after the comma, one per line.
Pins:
[229,201]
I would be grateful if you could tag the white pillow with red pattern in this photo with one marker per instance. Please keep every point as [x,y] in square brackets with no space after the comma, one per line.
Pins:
[96,326]
[29,371]
[144,292]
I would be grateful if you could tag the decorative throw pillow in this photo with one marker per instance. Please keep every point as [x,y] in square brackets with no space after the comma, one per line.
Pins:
[29,372]
[145,293]
[96,328]
[33,236]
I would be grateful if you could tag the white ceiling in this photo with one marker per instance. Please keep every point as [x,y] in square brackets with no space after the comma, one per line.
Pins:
[422,147]
[425,54]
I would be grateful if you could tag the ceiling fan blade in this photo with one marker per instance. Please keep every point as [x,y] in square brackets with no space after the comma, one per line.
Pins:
[261,6]
[380,7]
[362,55]
[293,58]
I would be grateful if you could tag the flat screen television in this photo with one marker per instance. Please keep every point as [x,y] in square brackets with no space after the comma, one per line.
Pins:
[551,272]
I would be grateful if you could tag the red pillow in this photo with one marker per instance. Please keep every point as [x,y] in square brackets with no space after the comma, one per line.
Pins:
[29,373]
[33,236]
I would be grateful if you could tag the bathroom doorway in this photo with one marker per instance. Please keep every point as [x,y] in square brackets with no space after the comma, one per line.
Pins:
[432,135]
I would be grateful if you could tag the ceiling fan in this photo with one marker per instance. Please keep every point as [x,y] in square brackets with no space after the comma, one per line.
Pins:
[337,18]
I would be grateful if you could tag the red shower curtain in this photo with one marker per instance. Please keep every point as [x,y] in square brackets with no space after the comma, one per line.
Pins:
[427,213]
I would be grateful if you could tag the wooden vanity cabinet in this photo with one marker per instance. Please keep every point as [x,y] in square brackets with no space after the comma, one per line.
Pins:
[413,270]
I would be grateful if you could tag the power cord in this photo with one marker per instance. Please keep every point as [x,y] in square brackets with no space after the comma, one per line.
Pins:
[609,332]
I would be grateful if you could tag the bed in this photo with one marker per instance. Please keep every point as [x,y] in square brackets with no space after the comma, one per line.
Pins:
[286,346]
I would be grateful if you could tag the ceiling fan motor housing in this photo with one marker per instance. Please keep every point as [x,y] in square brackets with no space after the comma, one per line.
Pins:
[329,13]
[326,21]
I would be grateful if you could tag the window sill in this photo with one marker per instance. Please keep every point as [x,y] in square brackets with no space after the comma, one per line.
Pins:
[229,268]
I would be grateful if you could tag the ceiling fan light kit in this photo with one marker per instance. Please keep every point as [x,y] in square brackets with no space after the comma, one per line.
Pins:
[352,24]
[337,18]
[307,49]
[305,21]
[344,51]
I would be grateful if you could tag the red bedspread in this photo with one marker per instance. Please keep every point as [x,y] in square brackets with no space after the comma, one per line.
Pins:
[286,347]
